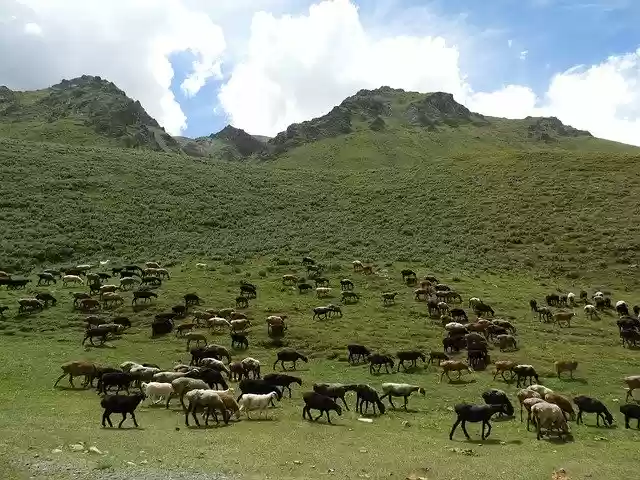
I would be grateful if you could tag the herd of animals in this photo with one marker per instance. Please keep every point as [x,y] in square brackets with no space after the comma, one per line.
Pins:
[203,385]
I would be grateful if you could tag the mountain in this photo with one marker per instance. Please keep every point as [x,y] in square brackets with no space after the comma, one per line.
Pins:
[85,111]
[230,143]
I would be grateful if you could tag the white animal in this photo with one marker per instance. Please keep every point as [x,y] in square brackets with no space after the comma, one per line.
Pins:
[539,389]
[240,325]
[400,390]
[253,401]
[143,374]
[201,265]
[215,364]
[152,265]
[127,366]
[217,323]
[453,326]
[251,365]
[550,417]
[167,377]
[156,391]
[571,298]
[104,262]
[323,292]
[71,279]
[620,303]
[591,311]
[183,385]
[208,400]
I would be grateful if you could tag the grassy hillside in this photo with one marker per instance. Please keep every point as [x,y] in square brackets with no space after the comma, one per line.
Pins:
[553,211]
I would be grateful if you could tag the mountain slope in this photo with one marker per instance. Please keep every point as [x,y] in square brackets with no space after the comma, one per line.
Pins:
[228,144]
[86,110]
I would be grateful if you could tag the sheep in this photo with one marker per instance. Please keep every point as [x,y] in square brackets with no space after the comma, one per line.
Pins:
[592,405]
[439,356]
[282,380]
[240,325]
[506,342]
[45,278]
[563,402]
[474,413]
[183,385]
[251,365]
[304,287]
[121,380]
[334,390]
[101,332]
[523,395]
[276,321]
[156,391]
[365,395]
[391,390]
[67,279]
[195,337]
[473,301]
[454,343]
[317,401]
[239,340]
[75,369]
[128,365]
[571,299]
[208,400]
[622,308]
[29,305]
[143,295]
[632,382]
[563,317]
[565,366]
[550,417]
[120,404]
[201,265]
[357,266]
[356,352]
[527,404]
[507,325]
[238,316]
[443,308]
[215,364]
[498,397]
[409,356]
[260,402]
[214,323]
[591,311]
[378,360]
[350,297]
[289,279]
[540,389]
[503,366]
[346,284]
[289,355]
[250,385]
[454,366]
[524,372]
[167,377]
[143,374]
[237,371]
[210,351]
[630,410]
[109,298]
[455,327]
[389,298]
[211,377]
[322,292]
[184,327]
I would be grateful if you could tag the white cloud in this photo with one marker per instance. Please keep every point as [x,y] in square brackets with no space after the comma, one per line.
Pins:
[509,43]
[523,54]
[297,67]
[512,101]
[126,41]
[33,29]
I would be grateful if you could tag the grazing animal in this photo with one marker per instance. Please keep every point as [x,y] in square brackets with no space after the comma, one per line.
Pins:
[378,360]
[403,390]
[251,365]
[239,340]
[365,395]
[633,382]
[346,284]
[207,400]
[46,279]
[439,356]
[357,265]
[458,315]
[289,355]
[322,292]
[525,394]
[317,401]
[289,279]
[210,351]
[498,397]
[409,356]
[259,386]
[121,380]
[350,297]
[503,366]
[550,417]
[389,298]
[563,402]
[191,299]
[46,298]
[304,287]
[29,305]
[184,327]
[565,366]
[182,385]
[282,380]
[506,342]
[76,369]
[242,302]
[195,337]
[453,366]
[630,411]
[357,352]
[253,401]
[240,325]
[482,308]
[524,373]
[592,405]
[474,413]
[563,317]
[124,404]
[622,308]
[143,295]
[335,391]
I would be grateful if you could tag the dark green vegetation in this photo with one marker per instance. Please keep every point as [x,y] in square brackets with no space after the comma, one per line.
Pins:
[38,416]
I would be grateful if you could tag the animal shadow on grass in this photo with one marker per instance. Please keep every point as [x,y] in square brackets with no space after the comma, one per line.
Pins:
[462,381]
[581,381]
[601,427]
[124,428]
[490,441]
[556,440]
[503,419]
[204,428]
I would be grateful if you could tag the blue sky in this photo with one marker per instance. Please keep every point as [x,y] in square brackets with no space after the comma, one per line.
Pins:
[555,34]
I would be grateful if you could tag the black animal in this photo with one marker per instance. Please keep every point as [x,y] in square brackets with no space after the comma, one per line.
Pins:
[346,284]
[335,391]
[282,380]
[210,351]
[533,304]
[407,273]
[154,281]
[248,290]
[622,309]
[99,371]
[239,339]
[120,404]
[368,395]
[553,300]
[630,337]
[145,295]
[304,287]
[46,278]
[289,355]
[459,315]
[321,312]
[494,330]
[258,386]
[378,360]
[441,287]
[592,405]
[2,310]
[161,327]
[317,401]
[454,344]
[410,356]
[630,411]
[179,310]
[321,282]
[104,276]
[128,273]
[477,357]
[121,380]
[46,298]
[482,308]
[524,373]
[308,261]
[439,356]
[474,413]
[432,307]
[357,352]
[55,273]
[17,283]
[498,397]
[124,321]
[242,302]
[211,377]
[100,333]
[191,299]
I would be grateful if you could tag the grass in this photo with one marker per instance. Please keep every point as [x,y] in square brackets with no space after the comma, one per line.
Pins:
[41,418]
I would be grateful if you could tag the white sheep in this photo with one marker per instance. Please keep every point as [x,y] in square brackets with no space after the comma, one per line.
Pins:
[473,301]
[207,400]
[322,292]
[201,265]
[591,311]
[127,366]
[357,265]
[571,298]
[400,390]
[539,389]
[240,325]
[143,374]
[215,364]
[253,401]
[194,337]
[550,417]
[152,265]
[523,395]
[251,365]
[452,326]
[181,368]
[156,391]
[527,404]
[183,385]
[215,323]
[167,377]
[66,279]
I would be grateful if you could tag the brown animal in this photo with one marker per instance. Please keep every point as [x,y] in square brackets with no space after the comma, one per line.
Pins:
[565,366]
[563,402]
[453,366]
